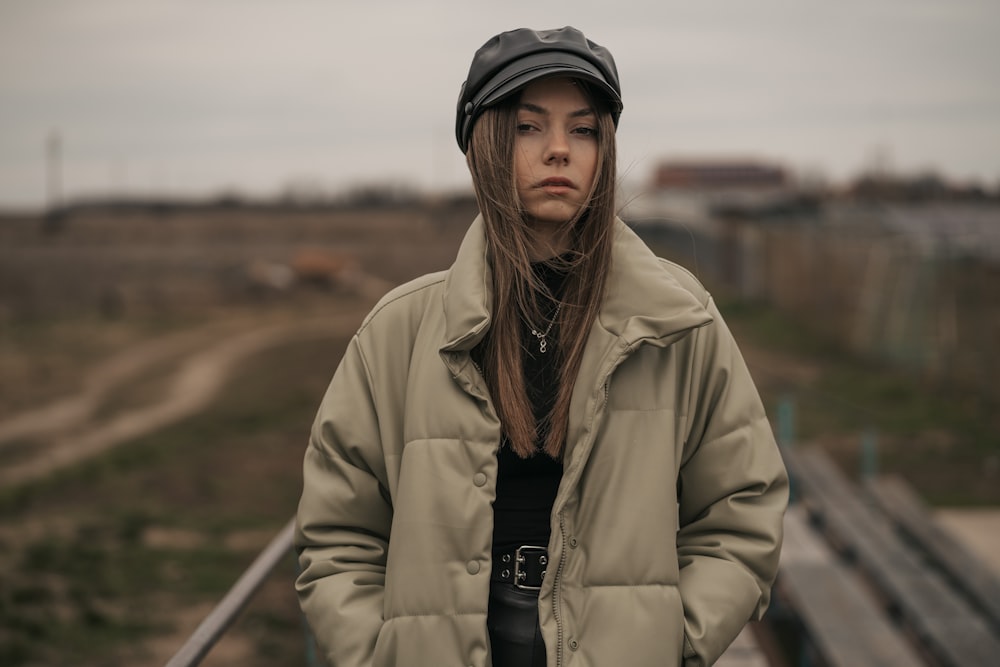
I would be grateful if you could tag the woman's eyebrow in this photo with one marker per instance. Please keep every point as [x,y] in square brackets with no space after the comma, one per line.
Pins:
[534,108]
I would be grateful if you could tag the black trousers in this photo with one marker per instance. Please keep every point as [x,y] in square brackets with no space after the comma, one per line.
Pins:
[512,620]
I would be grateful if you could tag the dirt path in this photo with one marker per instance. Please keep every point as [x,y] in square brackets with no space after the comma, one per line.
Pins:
[204,359]
[70,434]
[69,412]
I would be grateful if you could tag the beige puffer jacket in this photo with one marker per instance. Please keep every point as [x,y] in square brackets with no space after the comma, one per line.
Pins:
[667,525]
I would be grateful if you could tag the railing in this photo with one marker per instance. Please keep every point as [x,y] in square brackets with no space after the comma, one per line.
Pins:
[218,621]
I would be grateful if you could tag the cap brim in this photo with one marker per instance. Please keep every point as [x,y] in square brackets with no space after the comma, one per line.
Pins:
[536,66]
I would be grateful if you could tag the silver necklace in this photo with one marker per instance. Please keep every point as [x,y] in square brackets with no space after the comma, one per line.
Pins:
[543,342]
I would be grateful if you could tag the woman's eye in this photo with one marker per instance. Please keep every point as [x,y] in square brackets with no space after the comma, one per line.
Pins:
[586,131]
[525,127]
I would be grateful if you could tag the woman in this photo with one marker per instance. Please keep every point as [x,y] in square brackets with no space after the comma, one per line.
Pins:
[552,453]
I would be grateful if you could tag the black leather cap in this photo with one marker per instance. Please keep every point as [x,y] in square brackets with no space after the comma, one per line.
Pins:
[511,60]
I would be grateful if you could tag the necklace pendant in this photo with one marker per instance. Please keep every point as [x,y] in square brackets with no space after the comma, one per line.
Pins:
[542,342]
[542,336]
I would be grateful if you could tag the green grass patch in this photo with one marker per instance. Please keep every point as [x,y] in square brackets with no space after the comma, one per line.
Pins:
[81,592]
[770,328]
[944,440]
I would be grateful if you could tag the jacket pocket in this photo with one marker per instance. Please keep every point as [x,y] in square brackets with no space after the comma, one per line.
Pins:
[641,626]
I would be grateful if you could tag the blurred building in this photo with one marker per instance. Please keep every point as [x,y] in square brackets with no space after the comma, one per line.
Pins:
[722,175]
[904,271]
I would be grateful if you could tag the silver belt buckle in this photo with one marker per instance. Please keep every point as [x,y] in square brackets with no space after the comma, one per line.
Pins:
[519,559]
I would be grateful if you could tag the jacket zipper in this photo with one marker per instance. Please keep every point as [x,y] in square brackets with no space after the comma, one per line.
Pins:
[556,595]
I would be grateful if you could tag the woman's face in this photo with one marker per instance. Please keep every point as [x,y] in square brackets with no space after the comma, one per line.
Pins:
[555,150]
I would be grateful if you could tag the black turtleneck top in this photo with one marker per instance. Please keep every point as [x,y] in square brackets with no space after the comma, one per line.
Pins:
[526,488]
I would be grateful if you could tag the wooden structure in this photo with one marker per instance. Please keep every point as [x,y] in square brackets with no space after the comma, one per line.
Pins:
[884,577]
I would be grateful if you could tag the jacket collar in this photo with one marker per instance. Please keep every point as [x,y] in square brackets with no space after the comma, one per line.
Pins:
[468,292]
[644,300]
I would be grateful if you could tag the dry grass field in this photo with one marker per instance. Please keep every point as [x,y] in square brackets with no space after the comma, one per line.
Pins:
[109,314]
[115,558]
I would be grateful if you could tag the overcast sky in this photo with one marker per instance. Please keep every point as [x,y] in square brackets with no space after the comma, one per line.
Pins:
[194,97]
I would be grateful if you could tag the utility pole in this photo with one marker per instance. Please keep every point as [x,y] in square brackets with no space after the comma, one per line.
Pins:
[53,168]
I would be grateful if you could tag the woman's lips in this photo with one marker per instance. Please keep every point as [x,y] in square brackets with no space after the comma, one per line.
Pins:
[556,185]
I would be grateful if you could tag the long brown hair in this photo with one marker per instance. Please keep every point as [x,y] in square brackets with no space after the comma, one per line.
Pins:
[516,287]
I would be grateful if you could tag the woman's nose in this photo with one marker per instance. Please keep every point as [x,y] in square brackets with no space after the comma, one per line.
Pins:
[557,149]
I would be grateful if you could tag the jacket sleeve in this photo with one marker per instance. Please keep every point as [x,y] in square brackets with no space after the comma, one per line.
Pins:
[732,492]
[343,520]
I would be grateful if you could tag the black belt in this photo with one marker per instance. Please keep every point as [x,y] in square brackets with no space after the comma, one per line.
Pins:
[523,567]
